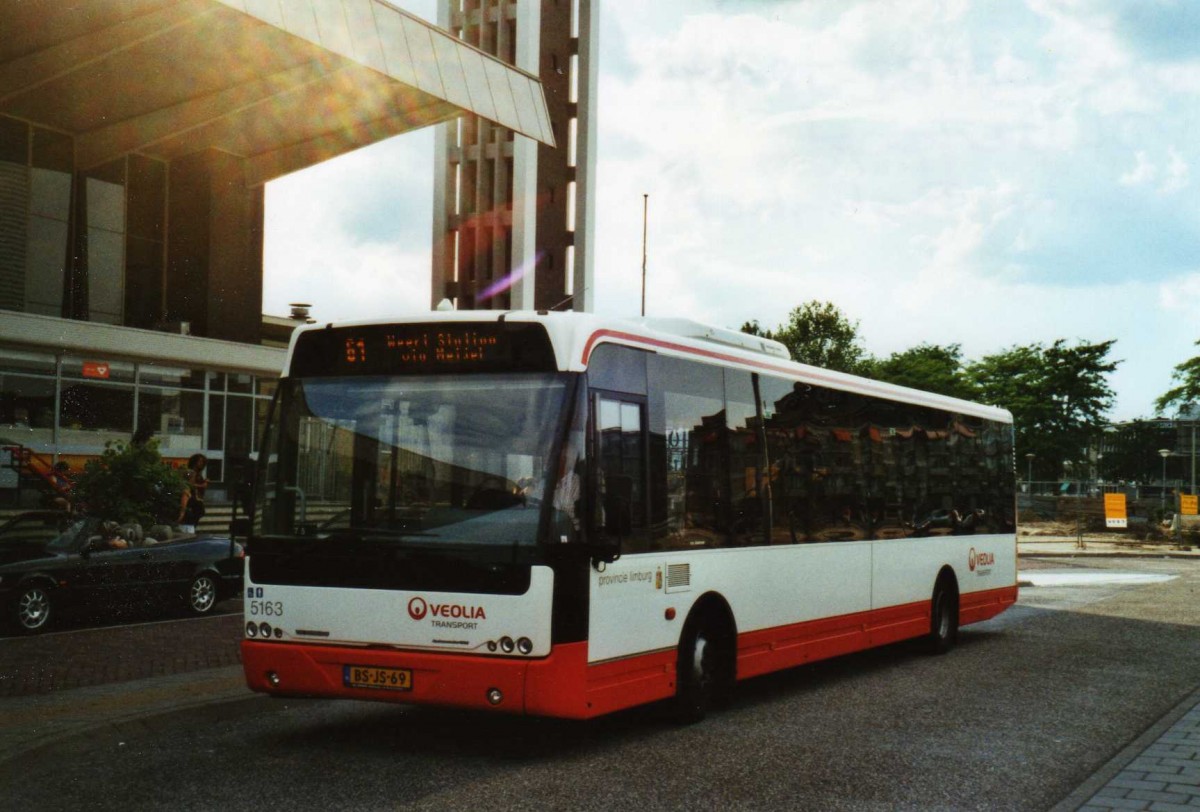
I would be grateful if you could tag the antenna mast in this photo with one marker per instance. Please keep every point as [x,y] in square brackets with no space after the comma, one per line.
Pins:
[645,212]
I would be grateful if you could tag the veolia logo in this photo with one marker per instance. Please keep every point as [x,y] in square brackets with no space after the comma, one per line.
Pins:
[975,559]
[417,607]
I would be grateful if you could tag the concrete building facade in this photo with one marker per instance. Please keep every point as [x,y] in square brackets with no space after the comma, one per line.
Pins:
[135,141]
[513,219]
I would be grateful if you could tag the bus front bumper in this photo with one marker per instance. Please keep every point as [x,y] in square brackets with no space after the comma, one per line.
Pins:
[549,686]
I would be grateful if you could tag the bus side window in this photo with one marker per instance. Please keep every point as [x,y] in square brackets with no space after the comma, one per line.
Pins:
[747,461]
[620,472]
[689,504]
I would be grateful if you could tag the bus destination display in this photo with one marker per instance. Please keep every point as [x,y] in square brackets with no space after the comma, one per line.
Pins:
[391,349]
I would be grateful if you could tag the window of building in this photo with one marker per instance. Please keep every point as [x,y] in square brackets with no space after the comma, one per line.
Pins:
[26,409]
[104,206]
[14,204]
[94,414]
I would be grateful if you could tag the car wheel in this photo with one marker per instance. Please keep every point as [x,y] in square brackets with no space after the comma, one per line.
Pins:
[943,625]
[34,608]
[703,673]
[202,594]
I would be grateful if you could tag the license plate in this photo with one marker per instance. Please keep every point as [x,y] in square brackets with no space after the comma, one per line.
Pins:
[366,676]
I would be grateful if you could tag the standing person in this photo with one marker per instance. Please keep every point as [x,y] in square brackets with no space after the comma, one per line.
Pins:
[191,508]
[61,477]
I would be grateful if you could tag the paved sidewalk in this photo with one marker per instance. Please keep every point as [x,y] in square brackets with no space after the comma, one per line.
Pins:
[78,658]
[36,721]
[1159,771]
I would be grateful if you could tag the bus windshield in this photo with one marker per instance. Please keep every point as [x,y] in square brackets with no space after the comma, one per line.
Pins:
[457,463]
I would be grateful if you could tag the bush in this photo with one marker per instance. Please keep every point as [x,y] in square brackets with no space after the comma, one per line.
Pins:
[130,482]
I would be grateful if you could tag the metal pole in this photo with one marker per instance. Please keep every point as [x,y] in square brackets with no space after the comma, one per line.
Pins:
[1193,454]
[645,219]
[1163,489]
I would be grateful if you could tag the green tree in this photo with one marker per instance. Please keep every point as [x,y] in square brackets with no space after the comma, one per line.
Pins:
[818,333]
[1188,390]
[1059,396]
[928,367]
[130,482]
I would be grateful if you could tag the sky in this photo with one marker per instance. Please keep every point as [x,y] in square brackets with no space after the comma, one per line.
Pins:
[978,173]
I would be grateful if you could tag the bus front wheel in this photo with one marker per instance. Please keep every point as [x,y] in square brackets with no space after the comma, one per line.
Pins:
[704,669]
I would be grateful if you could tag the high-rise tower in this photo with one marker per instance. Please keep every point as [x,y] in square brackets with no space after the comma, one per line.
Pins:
[512,219]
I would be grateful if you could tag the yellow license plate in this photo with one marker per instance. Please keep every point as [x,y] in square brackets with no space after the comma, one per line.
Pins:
[368,676]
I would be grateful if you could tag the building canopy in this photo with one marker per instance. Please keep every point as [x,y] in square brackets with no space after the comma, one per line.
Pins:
[281,84]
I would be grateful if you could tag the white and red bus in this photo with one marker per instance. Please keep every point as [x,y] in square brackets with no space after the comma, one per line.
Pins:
[563,515]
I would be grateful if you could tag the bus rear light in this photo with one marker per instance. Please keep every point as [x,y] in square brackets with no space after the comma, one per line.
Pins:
[670,613]
[494,697]
[525,645]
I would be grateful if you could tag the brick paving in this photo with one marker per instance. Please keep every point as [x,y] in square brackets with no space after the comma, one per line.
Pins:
[86,657]
[1160,772]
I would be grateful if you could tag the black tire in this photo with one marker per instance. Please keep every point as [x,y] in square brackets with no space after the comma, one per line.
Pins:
[33,609]
[704,669]
[202,594]
[943,622]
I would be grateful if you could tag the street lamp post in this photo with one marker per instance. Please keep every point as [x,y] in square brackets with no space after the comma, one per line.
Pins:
[1165,452]
[1029,472]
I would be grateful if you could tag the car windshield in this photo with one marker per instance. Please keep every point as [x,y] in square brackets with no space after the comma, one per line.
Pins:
[460,461]
[72,538]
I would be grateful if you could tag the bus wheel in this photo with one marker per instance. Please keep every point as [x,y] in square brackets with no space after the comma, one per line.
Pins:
[943,631]
[704,672]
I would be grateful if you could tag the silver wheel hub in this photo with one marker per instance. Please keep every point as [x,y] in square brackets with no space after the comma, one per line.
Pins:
[33,609]
[203,594]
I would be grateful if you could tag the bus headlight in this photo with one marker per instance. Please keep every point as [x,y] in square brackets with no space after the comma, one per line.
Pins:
[524,645]
[251,629]
[264,629]
[506,645]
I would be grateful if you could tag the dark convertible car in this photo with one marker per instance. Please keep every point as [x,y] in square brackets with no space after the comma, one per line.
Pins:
[50,561]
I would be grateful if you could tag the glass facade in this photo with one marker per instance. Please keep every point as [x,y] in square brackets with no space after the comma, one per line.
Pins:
[88,245]
[67,406]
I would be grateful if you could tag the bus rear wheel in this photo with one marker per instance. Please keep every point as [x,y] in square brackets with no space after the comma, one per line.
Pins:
[943,623]
[704,669]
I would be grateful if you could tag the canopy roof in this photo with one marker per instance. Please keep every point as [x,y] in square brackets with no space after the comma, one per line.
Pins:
[283,84]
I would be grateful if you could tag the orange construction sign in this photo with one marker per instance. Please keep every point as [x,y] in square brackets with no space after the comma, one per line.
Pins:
[1187,505]
[1114,511]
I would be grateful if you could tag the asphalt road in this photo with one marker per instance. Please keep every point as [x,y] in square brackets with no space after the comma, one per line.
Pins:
[1023,711]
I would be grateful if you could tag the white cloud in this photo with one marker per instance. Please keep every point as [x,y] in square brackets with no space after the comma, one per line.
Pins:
[1176,173]
[964,175]
[1142,172]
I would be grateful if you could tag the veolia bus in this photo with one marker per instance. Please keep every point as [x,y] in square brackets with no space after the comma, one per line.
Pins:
[564,515]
